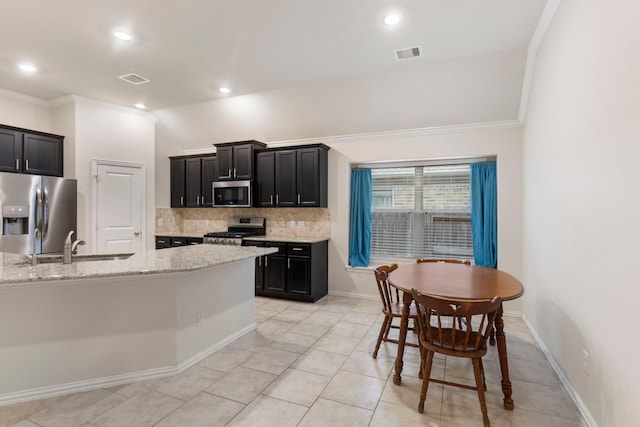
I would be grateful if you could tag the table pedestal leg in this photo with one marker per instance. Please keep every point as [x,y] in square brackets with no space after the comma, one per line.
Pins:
[504,366]
[404,326]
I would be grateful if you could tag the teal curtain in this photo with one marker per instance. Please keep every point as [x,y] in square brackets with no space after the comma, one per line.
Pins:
[360,218]
[484,214]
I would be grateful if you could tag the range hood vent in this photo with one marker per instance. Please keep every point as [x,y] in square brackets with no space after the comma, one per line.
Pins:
[408,53]
[134,79]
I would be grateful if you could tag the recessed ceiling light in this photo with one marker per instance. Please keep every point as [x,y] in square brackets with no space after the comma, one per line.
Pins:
[391,19]
[225,90]
[29,68]
[140,106]
[121,35]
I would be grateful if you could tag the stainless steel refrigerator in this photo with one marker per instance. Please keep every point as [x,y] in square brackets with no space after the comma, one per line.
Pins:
[30,202]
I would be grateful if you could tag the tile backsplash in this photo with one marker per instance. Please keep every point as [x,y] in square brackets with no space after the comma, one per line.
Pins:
[282,222]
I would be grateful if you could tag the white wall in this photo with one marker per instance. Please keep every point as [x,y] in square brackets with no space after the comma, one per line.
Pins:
[581,204]
[109,132]
[24,111]
[503,143]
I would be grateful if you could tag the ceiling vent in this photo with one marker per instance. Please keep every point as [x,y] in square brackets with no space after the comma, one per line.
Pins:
[134,79]
[408,53]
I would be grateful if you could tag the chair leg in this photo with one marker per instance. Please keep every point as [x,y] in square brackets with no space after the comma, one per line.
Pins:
[388,328]
[492,336]
[484,379]
[380,336]
[480,389]
[426,376]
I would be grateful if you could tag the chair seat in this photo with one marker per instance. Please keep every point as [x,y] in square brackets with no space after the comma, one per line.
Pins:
[396,309]
[455,343]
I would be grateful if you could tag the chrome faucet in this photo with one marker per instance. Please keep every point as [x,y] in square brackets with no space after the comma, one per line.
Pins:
[69,248]
[34,257]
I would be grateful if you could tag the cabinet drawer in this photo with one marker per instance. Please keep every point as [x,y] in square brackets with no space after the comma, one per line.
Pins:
[178,241]
[163,242]
[282,247]
[195,240]
[298,249]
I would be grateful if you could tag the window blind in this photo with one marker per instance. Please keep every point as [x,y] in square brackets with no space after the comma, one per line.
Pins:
[421,212]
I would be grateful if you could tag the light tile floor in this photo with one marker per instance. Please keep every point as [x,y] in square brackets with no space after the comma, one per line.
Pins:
[311,365]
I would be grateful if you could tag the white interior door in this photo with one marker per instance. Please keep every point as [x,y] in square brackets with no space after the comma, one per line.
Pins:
[119,208]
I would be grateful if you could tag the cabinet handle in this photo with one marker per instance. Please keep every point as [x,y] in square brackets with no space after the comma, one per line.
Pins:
[296,249]
[259,261]
[17,164]
[266,262]
[235,173]
[198,200]
[288,262]
[229,176]
[202,199]
[162,241]
[181,200]
[26,164]
[277,199]
[298,198]
[271,199]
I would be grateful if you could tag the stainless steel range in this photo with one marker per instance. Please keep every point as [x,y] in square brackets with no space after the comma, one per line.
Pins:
[237,228]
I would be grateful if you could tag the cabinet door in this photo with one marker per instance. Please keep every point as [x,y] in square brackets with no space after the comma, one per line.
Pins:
[298,276]
[285,174]
[193,182]
[265,179]
[42,155]
[259,274]
[209,172]
[275,273]
[10,151]
[243,162]
[225,163]
[308,177]
[177,183]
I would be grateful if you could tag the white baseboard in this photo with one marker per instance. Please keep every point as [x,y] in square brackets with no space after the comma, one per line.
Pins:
[186,364]
[114,380]
[563,378]
[354,295]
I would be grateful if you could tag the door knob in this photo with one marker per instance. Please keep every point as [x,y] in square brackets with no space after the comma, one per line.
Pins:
[137,233]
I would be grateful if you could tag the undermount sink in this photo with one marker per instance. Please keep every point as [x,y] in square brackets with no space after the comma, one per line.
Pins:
[51,259]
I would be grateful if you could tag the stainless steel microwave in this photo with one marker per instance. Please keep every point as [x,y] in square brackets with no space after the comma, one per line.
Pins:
[232,194]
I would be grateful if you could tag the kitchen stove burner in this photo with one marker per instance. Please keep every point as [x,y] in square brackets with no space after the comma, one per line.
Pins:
[237,229]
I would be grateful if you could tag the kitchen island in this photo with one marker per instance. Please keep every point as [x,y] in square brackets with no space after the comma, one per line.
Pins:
[90,324]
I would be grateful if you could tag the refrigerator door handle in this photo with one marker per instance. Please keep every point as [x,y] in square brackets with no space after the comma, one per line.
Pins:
[45,226]
[38,218]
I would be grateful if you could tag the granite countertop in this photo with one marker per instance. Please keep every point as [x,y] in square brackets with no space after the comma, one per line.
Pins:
[179,235]
[288,239]
[15,270]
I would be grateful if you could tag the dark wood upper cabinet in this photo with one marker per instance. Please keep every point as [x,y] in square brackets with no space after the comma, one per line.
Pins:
[286,186]
[25,151]
[209,171]
[265,179]
[191,178]
[235,160]
[178,178]
[292,177]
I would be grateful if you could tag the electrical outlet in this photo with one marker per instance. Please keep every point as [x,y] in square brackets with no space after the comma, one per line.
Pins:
[292,224]
[160,222]
[199,318]
[300,224]
[586,362]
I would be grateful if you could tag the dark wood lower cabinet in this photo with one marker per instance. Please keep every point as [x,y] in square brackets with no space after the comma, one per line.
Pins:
[163,242]
[298,271]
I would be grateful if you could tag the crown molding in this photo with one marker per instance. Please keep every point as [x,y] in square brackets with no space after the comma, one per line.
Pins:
[433,130]
[548,13]
[6,93]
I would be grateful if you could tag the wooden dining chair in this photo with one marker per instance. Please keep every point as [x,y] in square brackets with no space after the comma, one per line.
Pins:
[492,337]
[466,336]
[391,306]
[451,261]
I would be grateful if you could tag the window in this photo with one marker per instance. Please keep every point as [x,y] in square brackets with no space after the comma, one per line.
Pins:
[421,212]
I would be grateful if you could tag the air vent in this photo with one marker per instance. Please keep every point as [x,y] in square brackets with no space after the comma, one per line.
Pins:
[408,53]
[134,79]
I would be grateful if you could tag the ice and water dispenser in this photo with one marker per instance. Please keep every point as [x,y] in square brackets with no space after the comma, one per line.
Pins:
[15,220]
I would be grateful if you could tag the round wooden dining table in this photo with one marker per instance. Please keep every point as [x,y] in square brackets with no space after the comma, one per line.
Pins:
[457,281]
